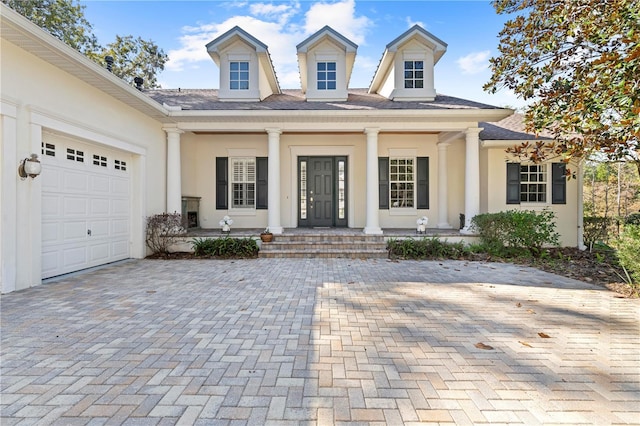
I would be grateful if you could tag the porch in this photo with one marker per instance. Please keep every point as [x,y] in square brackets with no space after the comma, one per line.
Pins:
[327,242]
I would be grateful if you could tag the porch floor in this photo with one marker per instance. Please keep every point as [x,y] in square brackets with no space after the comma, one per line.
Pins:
[387,232]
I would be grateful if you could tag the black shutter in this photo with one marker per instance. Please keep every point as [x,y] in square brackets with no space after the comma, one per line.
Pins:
[262,183]
[423,182]
[513,183]
[383,183]
[222,183]
[558,183]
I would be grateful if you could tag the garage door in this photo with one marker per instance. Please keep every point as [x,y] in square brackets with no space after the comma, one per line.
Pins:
[85,205]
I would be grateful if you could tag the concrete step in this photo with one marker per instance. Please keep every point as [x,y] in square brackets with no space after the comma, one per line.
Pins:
[325,246]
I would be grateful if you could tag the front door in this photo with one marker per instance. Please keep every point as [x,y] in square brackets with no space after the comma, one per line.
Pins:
[322,191]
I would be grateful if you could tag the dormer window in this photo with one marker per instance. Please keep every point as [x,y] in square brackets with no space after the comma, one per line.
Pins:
[326,77]
[239,75]
[413,74]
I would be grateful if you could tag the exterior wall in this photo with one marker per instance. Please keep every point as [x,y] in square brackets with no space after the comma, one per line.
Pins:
[37,98]
[496,197]
[239,51]
[326,51]
[414,51]
[455,180]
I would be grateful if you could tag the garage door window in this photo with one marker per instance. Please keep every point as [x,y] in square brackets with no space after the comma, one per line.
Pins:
[75,155]
[48,149]
[120,165]
[99,160]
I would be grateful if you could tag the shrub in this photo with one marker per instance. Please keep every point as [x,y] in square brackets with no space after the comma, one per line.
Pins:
[595,229]
[163,230]
[516,229]
[225,247]
[425,248]
[632,219]
[629,253]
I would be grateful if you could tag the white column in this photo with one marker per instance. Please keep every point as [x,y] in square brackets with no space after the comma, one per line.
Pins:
[580,212]
[443,187]
[372,224]
[274,181]
[471,177]
[174,183]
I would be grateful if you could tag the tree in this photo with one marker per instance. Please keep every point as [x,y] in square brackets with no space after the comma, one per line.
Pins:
[578,63]
[64,19]
[134,57]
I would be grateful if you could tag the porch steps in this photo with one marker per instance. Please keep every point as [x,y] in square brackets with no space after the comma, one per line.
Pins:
[325,246]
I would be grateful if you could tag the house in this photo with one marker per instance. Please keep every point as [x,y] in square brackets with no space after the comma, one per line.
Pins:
[324,155]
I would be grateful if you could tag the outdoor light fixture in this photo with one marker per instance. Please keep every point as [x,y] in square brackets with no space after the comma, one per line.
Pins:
[30,167]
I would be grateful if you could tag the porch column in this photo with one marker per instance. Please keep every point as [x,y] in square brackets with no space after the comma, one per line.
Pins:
[471,177]
[372,221]
[580,212]
[273,185]
[443,187]
[174,183]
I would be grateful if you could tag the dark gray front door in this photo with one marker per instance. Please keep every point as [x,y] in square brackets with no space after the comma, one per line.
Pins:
[320,182]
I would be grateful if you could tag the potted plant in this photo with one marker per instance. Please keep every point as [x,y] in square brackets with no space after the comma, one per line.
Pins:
[266,236]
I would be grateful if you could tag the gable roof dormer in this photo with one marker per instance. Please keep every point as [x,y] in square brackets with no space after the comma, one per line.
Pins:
[326,60]
[246,69]
[405,72]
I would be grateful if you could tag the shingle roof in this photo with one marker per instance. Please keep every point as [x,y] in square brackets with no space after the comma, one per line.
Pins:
[510,128]
[358,99]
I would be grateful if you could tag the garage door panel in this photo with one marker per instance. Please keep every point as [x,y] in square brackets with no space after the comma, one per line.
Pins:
[50,232]
[99,183]
[120,227]
[120,249]
[99,253]
[99,228]
[120,186]
[99,206]
[50,206]
[75,181]
[74,231]
[50,179]
[74,257]
[50,263]
[75,206]
[119,207]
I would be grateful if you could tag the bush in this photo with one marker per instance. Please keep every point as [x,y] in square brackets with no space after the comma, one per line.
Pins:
[163,230]
[425,248]
[516,229]
[226,247]
[595,229]
[632,219]
[629,253]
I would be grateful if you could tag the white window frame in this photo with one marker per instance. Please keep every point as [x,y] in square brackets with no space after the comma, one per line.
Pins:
[542,177]
[413,72]
[244,178]
[239,71]
[397,203]
[326,72]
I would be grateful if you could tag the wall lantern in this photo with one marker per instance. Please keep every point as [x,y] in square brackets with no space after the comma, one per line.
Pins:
[30,167]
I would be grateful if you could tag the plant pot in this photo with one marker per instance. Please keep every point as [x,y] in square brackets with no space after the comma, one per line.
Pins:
[266,238]
[226,229]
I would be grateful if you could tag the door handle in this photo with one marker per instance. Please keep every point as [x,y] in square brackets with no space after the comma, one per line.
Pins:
[89,232]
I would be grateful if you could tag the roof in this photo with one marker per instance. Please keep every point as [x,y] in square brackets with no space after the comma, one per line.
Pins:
[292,99]
[511,128]
[326,30]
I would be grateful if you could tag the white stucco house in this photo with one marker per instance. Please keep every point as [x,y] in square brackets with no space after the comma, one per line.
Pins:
[324,155]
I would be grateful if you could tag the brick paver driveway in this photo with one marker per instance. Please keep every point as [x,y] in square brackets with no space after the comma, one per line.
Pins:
[318,341]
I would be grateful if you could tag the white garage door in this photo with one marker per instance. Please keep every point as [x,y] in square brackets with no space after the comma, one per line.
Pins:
[85,206]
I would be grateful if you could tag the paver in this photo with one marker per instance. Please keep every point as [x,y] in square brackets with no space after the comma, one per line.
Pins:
[318,341]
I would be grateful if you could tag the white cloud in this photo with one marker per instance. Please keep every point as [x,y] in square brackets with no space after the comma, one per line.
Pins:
[341,17]
[411,23]
[474,63]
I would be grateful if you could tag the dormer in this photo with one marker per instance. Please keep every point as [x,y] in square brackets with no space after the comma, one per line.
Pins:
[246,70]
[326,60]
[405,72]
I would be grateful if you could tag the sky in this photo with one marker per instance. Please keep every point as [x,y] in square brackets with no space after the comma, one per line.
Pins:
[183,28]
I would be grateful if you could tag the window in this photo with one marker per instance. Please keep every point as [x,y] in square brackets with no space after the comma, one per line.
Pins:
[75,155]
[413,74]
[239,75]
[243,183]
[533,183]
[48,149]
[99,160]
[326,76]
[529,183]
[402,181]
[120,165]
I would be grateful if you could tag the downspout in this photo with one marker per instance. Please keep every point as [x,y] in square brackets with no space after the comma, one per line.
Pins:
[580,211]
